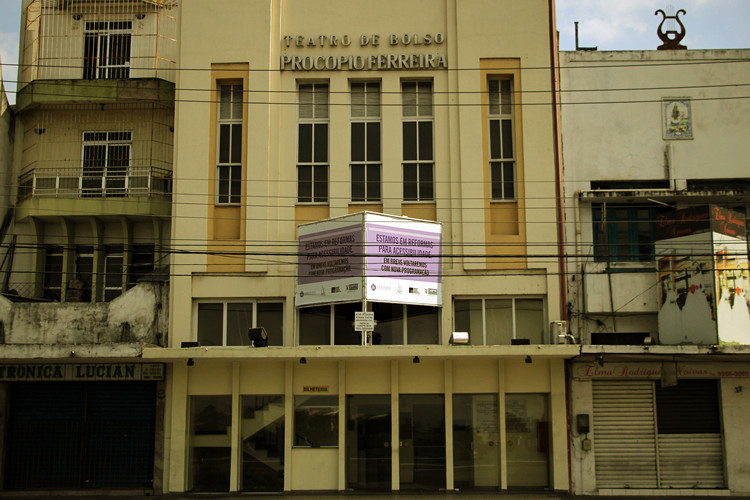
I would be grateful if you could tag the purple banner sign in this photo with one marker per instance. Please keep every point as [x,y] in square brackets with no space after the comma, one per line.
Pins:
[402,253]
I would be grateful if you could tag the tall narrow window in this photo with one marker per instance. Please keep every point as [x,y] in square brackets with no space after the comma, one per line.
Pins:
[365,142]
[312,144]
[107,49]
[502,150]
[229,154]
[53,271]
[113,260]
[419,164]
[106,162]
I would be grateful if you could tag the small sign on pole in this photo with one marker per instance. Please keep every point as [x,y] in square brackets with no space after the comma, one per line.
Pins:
[364,321]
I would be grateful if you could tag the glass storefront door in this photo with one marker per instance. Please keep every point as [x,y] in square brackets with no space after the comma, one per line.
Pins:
[262,427]
[527,434]
[368,442]
[422,441]
[476,441]
[210,443]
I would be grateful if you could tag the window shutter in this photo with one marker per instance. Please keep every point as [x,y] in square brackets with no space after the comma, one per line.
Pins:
[373,99]
[358,100]
[321,102]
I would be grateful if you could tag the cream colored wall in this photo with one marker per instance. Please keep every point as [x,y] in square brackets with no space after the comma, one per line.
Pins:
[311,469]
[735,407]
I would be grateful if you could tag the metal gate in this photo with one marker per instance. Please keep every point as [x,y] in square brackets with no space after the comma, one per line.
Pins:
[80,435]
[646,436]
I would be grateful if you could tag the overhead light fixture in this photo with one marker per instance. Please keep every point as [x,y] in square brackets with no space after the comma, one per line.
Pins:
[303,360]
[140,16]
[600,360]
[528,359]
[190,362]
[415,360]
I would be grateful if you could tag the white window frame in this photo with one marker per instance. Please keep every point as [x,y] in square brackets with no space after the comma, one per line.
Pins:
[501,110]
[229,172]
[225,302]
[108,172]
[318,115]
[423,113]
[513,299]
[103,40]
[367,113]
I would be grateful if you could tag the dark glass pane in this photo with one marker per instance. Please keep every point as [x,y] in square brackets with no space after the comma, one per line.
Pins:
[358,142]
[343,324]
[509,186]
[316,421]
[426,182]
[373,182]
[425,141]
[236,143]
[304,184]
[410,140]
[89,56]
[210,323]
[410,182]
[476,454]
[262,443]
[239,319]
[304,148]
[422,324]
[320,186]
[373,142]
[422,432]
[315,325]
[271,317]
[358,183]
[390,324]
[211,420]
[321,143]
[497,180]
[495,149]
[467,316]
[223,184]
[368,437]
[507,139]
[224,143]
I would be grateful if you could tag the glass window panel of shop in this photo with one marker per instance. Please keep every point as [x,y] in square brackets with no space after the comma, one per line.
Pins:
[422,441]
[210,443]
[368,442]
[226,323]
[417,137]
[476,441]
[500,321]
[365,142]
[396,324]
[527,434]
[312,143]
[262,447]
[316,421]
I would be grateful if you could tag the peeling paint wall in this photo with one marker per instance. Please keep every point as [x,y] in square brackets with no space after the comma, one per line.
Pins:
[139,315]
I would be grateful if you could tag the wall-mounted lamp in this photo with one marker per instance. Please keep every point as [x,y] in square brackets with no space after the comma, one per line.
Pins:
[303,360]
[528,359]
[415,360]
[72,354]
[600,360]
[39,130]
[190,362]
[140,16]
[77,17]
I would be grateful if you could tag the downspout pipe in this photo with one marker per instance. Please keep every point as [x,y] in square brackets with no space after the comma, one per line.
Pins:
[557,139]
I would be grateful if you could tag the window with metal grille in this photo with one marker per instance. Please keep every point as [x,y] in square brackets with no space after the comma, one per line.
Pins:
[312,143]
[229,150]
[106,162]
[417,131]
[106,52]
[502,150]
[141,262]
[365,142]
[113,260]
[53,267]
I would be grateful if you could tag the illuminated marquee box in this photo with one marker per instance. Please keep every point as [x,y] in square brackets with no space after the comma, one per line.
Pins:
[369,256]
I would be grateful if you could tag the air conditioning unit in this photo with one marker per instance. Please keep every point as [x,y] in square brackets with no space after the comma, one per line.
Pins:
[559,332]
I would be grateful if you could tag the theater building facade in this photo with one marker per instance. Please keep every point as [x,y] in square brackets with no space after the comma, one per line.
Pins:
[364,268]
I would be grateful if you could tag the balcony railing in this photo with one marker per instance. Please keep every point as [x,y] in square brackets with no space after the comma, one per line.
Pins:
[72,183]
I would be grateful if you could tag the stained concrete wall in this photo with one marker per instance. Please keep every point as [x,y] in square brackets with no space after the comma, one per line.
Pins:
[139,315]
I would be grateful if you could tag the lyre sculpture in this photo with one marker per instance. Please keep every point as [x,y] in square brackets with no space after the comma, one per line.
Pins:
[671,38]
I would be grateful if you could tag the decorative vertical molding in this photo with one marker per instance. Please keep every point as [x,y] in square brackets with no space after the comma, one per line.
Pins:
[501,416]
[236,450]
